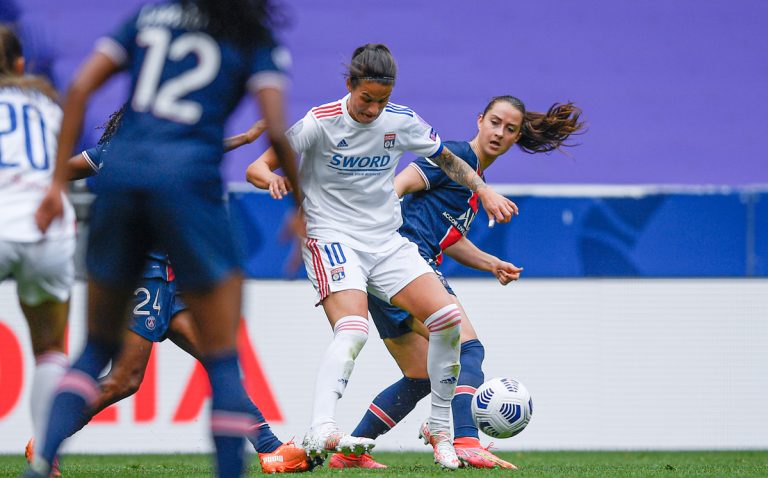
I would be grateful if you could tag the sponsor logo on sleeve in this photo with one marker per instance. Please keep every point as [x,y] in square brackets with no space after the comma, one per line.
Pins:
[433,134]
[389,140]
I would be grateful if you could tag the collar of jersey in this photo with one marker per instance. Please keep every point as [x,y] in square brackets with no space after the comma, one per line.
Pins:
[351,122]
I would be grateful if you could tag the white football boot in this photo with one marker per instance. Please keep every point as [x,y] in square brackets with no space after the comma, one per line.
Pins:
[442,443]
[327,437]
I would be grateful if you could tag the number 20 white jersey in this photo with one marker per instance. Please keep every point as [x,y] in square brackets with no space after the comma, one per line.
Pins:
[347,171]
[29,127]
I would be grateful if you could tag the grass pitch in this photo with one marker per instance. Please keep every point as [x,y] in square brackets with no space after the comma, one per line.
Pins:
[417,465]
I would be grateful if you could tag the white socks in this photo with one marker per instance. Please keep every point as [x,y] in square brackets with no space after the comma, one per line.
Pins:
[349,337]
[443,362]
[50,367]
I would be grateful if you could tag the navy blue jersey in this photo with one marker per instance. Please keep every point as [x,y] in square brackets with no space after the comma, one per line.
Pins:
[184,85]
[440,215]
[158,266]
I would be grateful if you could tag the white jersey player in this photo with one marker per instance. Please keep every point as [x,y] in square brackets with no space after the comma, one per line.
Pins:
[41,264]
[349,152]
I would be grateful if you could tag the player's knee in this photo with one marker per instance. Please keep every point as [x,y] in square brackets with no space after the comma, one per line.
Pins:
[353,329]
[444,321]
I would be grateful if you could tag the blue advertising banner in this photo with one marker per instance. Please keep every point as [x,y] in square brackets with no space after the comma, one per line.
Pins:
[652,235]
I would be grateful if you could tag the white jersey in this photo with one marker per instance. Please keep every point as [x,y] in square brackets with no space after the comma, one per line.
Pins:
[29,128]
[347,171]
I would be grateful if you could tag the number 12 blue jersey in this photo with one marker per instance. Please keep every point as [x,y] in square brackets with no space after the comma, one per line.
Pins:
[184,85]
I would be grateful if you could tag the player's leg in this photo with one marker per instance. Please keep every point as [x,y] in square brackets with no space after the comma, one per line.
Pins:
[411,284]
[274,455]
[339,276]
[116,245]
[466,438]
[394,402]
[409,350]
[44,273]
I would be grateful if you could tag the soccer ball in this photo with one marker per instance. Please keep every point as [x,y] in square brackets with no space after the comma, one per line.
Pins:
[502,407]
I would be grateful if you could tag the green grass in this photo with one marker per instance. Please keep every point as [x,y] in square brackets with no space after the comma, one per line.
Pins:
[412,465]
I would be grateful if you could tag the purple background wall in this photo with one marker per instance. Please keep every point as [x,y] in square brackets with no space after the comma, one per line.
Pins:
[674,91]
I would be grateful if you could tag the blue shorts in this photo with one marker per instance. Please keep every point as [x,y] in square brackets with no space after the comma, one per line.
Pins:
[390,320]
[156,303]
[187,219]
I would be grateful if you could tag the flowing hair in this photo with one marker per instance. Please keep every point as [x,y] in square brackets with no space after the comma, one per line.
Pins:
[544,132]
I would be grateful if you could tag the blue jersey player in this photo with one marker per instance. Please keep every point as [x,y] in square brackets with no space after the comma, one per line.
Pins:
[158,313]
[437,214]
[189,62]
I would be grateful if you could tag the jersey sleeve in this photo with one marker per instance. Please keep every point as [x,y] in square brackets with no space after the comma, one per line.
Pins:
[422,139]
[269,68]
[430,172]
[304,134]
[93,157]
[119,45]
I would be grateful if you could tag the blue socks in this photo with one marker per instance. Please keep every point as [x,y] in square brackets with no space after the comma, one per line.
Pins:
[77,390]
[392,405]
[261,436]
[231,418]
[470,377]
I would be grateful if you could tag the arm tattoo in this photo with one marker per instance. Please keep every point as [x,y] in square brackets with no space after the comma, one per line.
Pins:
[458,170]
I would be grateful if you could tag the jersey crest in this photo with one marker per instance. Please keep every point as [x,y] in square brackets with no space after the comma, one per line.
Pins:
[389,140]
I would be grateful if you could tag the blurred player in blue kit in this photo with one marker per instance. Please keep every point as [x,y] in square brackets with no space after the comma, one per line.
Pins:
[159,313]
[190,62]
[437,214]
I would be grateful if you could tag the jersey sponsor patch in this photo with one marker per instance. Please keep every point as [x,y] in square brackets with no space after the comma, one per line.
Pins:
[433,134]
[342,144]
[337,274]
[389,140]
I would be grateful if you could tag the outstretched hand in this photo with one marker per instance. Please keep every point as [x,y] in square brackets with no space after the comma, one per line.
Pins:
[499,208]
[506,272]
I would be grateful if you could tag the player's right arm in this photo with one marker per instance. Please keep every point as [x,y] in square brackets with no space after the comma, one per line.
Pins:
[261,174]
[468,254]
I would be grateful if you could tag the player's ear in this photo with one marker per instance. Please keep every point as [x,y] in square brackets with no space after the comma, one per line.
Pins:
[19,65]
[479,120]
[349,85]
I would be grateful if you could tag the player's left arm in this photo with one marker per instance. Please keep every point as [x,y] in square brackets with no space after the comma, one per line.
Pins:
[498,207]
[248,137]
[466,253]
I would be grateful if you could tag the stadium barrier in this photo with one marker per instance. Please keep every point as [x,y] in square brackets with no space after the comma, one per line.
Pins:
[610,363]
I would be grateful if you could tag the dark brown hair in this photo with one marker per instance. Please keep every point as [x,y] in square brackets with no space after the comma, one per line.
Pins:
[372,62]
[544,132]
[10,53]
[245,23]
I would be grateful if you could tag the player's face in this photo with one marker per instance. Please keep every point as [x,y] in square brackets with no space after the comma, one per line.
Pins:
[367,100]
[499,128]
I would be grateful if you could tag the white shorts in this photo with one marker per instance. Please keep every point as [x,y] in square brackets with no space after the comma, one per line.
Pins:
[43,270]
[333,267]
